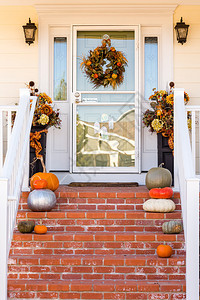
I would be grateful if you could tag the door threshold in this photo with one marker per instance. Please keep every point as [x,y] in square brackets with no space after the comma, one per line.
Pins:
[66,178]
[103,184]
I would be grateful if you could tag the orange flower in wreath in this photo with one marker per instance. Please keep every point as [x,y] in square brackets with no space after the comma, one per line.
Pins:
[46,109]
[114,76]
[88,63]
[96,75]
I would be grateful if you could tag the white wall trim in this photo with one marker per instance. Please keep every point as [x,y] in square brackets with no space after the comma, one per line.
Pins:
[105,9]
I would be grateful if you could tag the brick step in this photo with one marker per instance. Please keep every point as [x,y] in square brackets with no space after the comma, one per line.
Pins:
[65,191]
[121,290]
[94,243]
[64,205]
[105,201]
[94,267]
[100,244]
[100,198]
[101,220]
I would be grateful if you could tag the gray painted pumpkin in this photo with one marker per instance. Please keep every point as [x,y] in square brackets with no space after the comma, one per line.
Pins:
[26,226]
[172,227]
[159,205]
[158,178]
[41,200]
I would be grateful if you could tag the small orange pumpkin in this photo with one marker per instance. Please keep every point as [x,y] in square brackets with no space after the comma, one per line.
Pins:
[161,193]
[164,251]
[40,229]
[52,180]
[40,184]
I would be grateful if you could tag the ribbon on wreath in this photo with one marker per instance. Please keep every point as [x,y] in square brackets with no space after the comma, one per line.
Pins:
[34,141]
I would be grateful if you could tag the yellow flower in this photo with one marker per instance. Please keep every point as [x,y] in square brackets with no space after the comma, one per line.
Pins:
[162,92]
[189,123]
[157,124]
[170,99]
[44,119]
[44,97]
[114,76]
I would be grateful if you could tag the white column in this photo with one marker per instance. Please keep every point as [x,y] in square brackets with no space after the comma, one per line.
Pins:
[192,243]
[3,238]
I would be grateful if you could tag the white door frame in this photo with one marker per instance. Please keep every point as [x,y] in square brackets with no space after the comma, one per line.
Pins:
[136,104]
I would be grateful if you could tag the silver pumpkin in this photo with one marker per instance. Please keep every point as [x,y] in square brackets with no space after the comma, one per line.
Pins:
[41,200]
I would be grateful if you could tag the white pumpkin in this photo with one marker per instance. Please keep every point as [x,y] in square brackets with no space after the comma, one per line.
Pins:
[159,205]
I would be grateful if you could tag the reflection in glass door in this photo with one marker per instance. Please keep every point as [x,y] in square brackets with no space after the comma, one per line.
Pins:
[106,120]
[105,136]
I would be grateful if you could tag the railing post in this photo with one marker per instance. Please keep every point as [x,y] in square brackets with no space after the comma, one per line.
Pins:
[3,238]
[177,93]
[25,185]
[192,242]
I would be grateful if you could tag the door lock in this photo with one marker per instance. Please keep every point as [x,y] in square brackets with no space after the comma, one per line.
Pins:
[77,97]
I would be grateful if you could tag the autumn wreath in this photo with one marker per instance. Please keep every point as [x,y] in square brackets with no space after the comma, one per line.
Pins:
[105,66]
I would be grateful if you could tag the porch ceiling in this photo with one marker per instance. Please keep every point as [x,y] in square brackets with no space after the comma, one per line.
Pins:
[101,2]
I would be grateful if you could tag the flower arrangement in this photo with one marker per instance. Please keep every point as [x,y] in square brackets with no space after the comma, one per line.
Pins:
[93,65]
[160,118]
[44,113]
[45,116]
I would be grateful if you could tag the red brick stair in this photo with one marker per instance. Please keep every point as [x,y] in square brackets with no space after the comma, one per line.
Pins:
[100,245]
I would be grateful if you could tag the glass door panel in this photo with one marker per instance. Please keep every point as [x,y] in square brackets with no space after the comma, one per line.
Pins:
[106,120]
[105,136]
[123,41]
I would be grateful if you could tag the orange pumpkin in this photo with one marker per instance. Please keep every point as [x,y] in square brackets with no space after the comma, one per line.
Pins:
[161,193]
[52,180]
[40,229]
[40,184]
[164,251]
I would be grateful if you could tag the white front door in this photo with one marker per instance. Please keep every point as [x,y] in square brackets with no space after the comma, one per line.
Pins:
[105,121]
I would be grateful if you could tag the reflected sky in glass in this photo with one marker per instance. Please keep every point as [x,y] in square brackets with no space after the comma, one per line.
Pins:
[60,68]
[150,66]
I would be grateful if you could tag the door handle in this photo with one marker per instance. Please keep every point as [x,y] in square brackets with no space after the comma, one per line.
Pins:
[77,97]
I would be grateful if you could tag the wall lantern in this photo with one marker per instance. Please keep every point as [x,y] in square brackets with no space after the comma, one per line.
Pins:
[181,31]
[29,32]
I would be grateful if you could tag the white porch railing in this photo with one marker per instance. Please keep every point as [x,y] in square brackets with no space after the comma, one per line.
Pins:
[189,191]
[195,135]
[12,178]
[5,129]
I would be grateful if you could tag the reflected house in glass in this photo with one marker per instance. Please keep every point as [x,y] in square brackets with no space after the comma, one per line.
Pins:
[110,145]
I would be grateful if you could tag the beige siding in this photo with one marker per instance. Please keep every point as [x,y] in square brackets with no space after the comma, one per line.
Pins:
[187,56]
[18,60]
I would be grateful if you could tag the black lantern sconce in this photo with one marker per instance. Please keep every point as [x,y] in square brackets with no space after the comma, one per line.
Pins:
[29,32]
[181,31]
